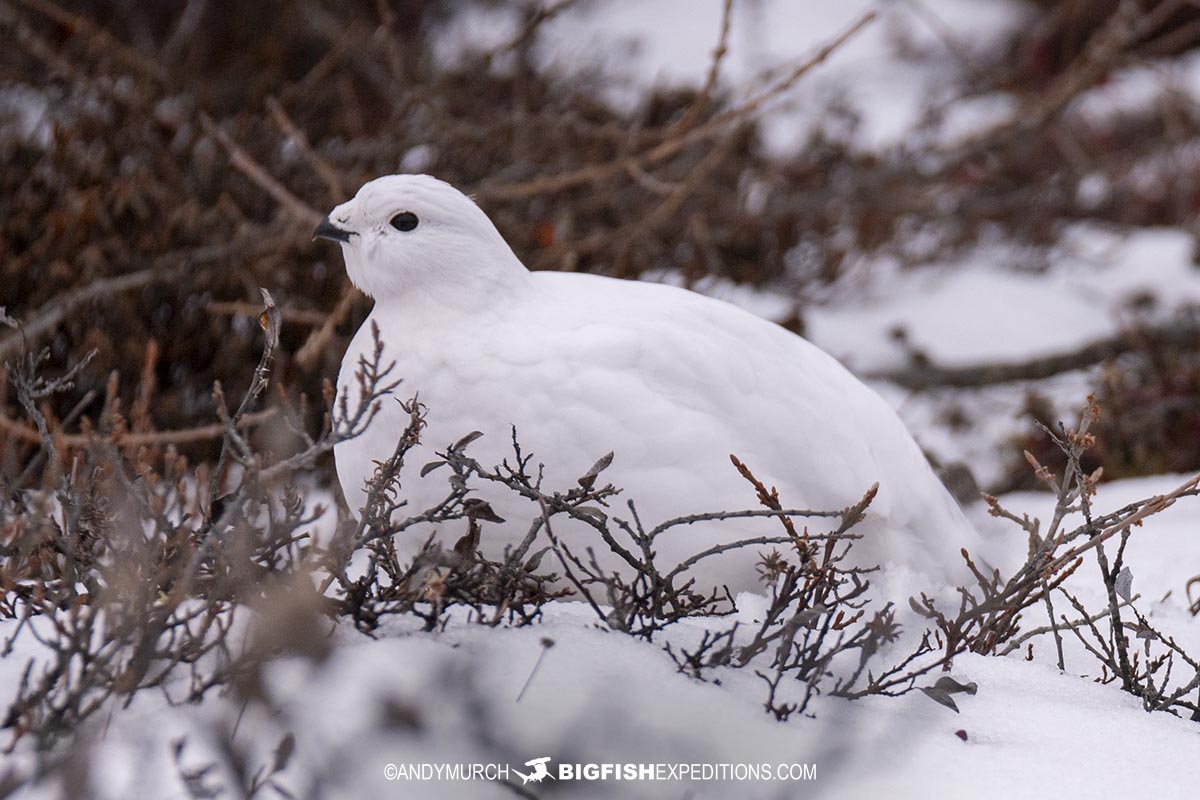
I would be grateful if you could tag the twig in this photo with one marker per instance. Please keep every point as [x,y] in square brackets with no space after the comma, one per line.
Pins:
[46,318]
[99,38]
[714,73]
[248,166]
[1177,333]
[1147,508]
[1128,24]
[200,433]
[270,322]
[1055,627]
[317,342]
[672,146]
[323,168]
[299,316]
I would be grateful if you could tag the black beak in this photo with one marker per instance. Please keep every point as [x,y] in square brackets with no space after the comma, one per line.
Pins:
[327,230]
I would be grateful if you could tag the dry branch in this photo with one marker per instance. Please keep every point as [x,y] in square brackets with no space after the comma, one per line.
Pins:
[45,319]
[1171,335]
[256,172]
[183,436]
[676,142]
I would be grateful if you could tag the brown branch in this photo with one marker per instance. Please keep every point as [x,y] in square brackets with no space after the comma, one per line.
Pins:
[98,38]
[714,73]
[248,166]
[200,433]
[1054,627]
[323,168]
[47,318]
[1127,25]
[1176,333]
[318,340]
[671,146]
[299,316]
[1148,508]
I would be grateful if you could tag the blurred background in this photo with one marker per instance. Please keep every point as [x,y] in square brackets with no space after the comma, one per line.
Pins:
[986,207]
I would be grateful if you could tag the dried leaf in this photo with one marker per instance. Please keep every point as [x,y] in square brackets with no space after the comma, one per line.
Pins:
[946,686]
[1124,583]
[951,686]
[808,618]
[431,466]
[588,479]
[535,560]
[466,440]
[283,753]
[939,696]
[270,319]
[478,509]
[594,513]
[469,542]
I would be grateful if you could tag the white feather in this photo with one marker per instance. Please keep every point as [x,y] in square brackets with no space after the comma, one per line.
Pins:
[671,381]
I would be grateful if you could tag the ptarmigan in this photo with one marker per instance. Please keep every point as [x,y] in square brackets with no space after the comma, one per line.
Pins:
[671,381]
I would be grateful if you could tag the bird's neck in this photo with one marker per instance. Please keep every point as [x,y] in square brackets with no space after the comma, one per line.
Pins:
[452,290]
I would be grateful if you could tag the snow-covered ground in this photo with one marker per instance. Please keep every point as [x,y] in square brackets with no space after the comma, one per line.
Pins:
[460,696]
[410,698]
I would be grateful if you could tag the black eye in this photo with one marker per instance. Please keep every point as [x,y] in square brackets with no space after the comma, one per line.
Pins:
[404,221]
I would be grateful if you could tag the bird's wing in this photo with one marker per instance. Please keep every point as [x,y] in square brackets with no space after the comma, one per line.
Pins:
[734,381]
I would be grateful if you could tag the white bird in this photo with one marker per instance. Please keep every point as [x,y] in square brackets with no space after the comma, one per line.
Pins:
[671,381]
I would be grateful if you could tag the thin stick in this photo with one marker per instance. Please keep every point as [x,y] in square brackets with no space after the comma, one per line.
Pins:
[47,318]
[200,433]
[293,132]
[248,166]
[670,147]
[546,645]
[318,340]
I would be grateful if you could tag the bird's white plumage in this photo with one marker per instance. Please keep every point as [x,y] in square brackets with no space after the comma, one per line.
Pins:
[671,381]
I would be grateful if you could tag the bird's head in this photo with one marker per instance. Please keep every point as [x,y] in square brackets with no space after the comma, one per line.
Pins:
[409,236]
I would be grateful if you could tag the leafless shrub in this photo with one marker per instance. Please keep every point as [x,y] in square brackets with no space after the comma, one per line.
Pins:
[184,160]
[436,579]
[1052,550]
[818,612]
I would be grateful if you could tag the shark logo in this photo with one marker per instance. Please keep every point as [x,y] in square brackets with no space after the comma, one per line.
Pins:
[538,772]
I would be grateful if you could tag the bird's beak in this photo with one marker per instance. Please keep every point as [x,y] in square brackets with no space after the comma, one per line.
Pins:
[327,230]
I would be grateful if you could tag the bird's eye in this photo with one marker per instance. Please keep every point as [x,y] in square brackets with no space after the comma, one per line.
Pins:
[404,221]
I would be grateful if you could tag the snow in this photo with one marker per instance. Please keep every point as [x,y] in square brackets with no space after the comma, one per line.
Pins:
[982,310]
[1032,731]
[26,112]
[411,697]
[985,309]
[886,92]
[1141,87]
